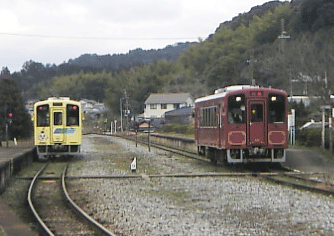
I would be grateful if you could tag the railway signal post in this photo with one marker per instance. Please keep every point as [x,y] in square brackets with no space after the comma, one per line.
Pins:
[10,115]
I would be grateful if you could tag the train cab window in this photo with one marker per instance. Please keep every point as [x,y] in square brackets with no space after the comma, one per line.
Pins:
[72,115]
[276,110]
[58,118]
[256,113]
[43,116]
[236,109]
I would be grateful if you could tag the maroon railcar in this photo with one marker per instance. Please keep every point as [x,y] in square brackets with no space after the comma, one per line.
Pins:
[242,123]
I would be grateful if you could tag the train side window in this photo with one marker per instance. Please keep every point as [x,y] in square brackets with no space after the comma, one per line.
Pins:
[58,118]
[43,116]
[208,117]
[276,111]
[257,113]
[72,115]
[236,109]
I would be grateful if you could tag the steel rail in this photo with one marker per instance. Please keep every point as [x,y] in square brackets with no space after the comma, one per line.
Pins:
[79,210]
[315,181]
[175,150]
[298,185]
[31,205]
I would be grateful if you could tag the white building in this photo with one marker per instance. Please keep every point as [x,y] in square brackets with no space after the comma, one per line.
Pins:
[304,99]
[158,103]
[92,109]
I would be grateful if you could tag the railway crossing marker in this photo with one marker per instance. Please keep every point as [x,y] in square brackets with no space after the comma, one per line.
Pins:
[133,165]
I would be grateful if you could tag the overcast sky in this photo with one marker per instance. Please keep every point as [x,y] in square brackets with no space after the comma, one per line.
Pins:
[52,32]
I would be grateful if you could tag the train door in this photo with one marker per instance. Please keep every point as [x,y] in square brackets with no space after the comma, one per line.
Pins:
[256,123]
[57,126]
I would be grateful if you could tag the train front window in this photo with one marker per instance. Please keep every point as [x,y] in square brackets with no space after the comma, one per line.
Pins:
[43,116]
[58,118]
[276,108]
[257,113]
[236,109]
[72,115]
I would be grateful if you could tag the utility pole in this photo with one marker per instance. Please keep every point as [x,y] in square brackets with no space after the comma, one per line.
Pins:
[330,131]
[127,112]
[121,110]
[251,62]
[284,35]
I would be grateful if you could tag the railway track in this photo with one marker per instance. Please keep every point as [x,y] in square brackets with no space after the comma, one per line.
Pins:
[279,175]
[125,200]
[175,150]
[48,200]
[305,181]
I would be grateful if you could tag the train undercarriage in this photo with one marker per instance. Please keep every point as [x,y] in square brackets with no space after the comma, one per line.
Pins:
[51,151]
[256,154]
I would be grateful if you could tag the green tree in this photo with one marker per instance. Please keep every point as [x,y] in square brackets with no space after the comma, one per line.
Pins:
[316,14]
[10,97]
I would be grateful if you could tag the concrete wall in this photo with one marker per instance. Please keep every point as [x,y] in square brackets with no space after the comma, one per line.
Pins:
[11,166]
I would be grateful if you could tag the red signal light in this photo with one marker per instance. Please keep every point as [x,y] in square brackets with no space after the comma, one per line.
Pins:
[10,115]
[40,108]
[74,107]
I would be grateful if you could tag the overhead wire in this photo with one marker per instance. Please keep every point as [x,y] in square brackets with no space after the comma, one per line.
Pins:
[92,38]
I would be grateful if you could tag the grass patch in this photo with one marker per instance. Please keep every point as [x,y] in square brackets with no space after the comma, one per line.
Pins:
[2,232]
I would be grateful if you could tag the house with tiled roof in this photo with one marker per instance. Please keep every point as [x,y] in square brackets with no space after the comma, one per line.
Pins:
[157,104]
[183,116]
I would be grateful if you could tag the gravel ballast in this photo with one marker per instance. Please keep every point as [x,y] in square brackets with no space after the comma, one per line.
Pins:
[188,206]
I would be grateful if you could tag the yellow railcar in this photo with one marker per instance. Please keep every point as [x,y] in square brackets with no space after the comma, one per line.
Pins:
[57,127]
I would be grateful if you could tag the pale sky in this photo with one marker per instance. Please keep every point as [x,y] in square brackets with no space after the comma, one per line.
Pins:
[52,32]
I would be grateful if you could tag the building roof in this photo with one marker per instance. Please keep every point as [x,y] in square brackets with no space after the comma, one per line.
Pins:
[180,112]
[160,98]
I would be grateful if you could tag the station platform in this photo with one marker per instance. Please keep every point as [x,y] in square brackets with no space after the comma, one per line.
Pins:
[10,223]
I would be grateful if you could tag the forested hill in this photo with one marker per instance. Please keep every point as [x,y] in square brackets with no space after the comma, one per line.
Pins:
[134,57]
[247,17]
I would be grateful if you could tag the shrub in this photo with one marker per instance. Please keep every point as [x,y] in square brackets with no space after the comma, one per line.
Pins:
[177,128]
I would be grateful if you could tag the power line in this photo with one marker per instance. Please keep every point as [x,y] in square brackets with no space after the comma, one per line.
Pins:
[92,38]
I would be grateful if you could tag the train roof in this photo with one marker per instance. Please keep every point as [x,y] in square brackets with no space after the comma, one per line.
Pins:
[57,99]
[220,93]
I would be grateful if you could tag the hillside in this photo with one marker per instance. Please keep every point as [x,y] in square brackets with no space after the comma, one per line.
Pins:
[34,73]
[132,58]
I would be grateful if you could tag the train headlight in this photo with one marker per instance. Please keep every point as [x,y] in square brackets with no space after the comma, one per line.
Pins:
[273,98]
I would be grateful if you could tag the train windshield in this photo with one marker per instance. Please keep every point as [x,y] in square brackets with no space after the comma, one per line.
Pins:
[236,109]
[43,116]
[276,108]
[72,115]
